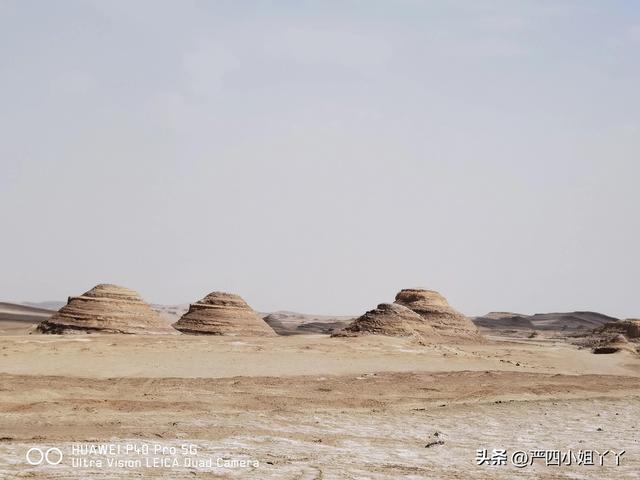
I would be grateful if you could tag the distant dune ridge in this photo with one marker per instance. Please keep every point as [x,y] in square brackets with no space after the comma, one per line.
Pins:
[221,313]
[106,308]
[544,321]
[16,319]
[16,312]
[170,313]
[504,320]
[570,320]
[293,323]
[47,305]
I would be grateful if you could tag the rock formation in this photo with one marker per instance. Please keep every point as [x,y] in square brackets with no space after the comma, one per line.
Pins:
[631,328]
[388,319]
[612,337]
[223,314]
[106,309]
[437,313]
[419,312]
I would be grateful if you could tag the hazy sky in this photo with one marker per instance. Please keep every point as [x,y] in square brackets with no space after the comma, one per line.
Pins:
[319,156]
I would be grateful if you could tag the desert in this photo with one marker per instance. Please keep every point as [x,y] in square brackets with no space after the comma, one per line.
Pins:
[402,402]
[319,240]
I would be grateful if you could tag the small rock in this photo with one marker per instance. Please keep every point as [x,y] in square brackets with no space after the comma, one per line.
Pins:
[434,443]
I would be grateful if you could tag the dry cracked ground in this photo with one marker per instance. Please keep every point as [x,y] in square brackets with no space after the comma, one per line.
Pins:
[311,407]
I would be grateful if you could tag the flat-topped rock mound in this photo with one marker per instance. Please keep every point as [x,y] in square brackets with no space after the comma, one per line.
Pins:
[222,313]
[437,313]
[388,319]
[106,309]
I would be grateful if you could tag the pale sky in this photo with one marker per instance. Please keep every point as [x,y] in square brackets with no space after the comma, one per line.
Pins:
[320,156]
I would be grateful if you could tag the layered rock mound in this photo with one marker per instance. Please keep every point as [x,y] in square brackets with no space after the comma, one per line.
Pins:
[437,313]
[106,309]
[222,313]
[416,312]
[388,319]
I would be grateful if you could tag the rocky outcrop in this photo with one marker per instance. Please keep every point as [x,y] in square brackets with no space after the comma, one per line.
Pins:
[388,319]
[629,328]
[106,309]
[437,313]
[222,313]
[632,327]
[416,312]
[612,337]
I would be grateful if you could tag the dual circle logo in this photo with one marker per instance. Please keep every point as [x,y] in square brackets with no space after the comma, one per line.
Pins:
[49,456]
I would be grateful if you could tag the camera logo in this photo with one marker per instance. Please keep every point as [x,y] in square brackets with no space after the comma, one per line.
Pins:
[38,456]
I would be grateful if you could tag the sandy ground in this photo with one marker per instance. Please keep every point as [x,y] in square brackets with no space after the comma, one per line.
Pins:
[311,407]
